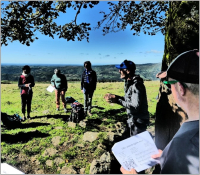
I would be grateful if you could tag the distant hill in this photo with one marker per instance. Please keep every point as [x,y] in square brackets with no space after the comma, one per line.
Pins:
[43,73]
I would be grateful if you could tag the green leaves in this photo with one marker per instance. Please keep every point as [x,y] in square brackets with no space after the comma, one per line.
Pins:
[21,19]
[143,16]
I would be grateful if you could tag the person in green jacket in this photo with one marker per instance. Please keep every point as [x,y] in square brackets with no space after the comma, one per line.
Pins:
[59,81]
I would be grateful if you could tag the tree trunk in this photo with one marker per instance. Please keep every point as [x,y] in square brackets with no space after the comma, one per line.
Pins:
[180,36]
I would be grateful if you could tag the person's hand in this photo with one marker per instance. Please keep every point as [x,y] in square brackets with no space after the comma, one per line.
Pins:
[157,155]
[132,171]
[82,91]
[110,98]
[27,85]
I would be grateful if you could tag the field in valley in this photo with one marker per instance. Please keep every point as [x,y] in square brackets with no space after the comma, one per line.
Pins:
[26,146]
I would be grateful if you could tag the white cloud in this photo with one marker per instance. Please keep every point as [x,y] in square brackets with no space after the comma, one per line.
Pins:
[154,51]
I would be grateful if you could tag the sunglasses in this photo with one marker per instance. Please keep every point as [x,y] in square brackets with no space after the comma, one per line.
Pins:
[168,83]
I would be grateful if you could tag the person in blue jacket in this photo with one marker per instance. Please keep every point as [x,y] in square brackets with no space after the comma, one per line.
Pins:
[88,86]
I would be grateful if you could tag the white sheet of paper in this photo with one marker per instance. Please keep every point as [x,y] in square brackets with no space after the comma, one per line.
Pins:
[135,152]
[7,169]
[50,88]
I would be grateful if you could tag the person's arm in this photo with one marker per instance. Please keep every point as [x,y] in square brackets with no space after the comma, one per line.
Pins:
[53,81]
[95,80]
[66,83]
[32,84]
[134,102]
[20,84]
[82,81]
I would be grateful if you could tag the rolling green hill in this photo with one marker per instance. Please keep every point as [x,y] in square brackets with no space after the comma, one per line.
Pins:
[105,73]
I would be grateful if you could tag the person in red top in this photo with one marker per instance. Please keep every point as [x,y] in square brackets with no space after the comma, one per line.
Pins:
[25,83]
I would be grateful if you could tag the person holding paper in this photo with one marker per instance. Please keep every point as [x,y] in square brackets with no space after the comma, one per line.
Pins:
[181,155]
[135,99]
[25,83]
[59,81]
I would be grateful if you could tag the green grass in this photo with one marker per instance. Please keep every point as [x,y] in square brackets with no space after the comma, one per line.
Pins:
[32,140]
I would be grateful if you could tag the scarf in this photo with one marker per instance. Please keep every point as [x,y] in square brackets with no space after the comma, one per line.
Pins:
[25,90]
[26,75]
[87,75]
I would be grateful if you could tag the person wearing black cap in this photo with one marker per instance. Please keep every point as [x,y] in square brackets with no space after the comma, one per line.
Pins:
[25,83]
[135,99]
[181,155]
[59,81]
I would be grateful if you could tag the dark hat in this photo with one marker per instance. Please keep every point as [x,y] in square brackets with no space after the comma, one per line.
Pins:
[184,68]
[126,65]
[27,68]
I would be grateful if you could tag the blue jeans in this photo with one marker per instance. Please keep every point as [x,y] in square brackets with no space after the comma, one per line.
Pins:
[88,101]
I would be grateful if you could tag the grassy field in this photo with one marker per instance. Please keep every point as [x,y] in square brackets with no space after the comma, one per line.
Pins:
[24,147]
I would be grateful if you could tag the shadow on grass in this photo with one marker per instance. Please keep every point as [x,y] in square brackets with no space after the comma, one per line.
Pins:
[57,116]
[115,114]
[32,125]
[98,107]
[22,137]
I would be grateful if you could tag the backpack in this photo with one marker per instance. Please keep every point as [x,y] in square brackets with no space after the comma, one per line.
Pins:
[77,113]
[11,121]
[69,99]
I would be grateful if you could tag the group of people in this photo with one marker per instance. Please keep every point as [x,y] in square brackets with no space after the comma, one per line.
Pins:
[59,82]
[181,155]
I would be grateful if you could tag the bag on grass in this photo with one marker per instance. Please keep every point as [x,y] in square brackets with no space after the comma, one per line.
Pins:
[69,99]
[77,113]
[11,121]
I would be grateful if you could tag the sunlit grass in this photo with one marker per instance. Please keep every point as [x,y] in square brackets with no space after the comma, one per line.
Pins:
[43,112]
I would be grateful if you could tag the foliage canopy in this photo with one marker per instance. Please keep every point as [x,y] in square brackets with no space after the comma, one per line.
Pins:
[21,19]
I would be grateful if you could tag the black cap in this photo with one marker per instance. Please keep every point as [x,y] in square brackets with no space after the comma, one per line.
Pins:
[184,68]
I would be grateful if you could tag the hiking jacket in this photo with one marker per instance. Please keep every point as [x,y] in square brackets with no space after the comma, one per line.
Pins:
[25,80]
[91,86]
[59,82]
[135,99]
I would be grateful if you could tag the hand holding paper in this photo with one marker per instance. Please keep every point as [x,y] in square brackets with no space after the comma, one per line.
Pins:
[136,151]
[132,171]
[50,88]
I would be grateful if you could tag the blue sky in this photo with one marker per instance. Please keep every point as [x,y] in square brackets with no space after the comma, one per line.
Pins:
[112,48]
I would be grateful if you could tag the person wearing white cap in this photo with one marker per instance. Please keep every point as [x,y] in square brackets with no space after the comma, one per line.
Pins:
[181,155]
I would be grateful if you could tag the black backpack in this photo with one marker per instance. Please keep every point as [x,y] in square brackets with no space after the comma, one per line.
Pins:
[11,121]
[69,99]
[77,113]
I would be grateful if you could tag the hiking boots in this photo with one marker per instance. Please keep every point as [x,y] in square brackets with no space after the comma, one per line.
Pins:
[57,109]
[65,109]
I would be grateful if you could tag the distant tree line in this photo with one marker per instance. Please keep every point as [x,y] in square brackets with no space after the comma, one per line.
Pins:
[106,73]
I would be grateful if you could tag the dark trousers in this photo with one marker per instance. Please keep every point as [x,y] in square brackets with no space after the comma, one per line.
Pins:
[136,126]
[88,101]
[26,101]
